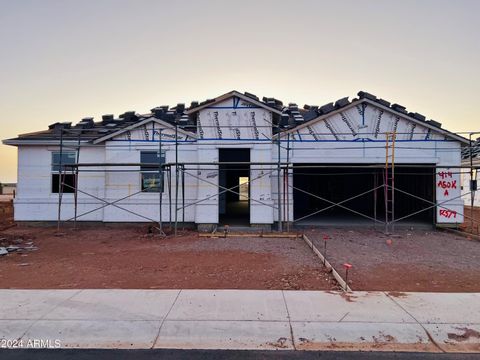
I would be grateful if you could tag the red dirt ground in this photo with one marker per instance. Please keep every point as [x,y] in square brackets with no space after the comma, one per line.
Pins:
[409,260]
[126,257]
[471,213]
[6,212]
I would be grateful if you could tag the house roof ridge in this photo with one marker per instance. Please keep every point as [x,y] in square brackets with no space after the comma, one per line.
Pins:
[291,116]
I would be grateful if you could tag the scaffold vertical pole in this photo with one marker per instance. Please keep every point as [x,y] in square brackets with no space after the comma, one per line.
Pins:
[392,228]
[60,181]
[75,197]
[375,185]
[385,184]
[169,181]
[284,188]
[160,181]
[389,181]
[472,183]
[176,177]
[183,194]
[287,180]
[279,195]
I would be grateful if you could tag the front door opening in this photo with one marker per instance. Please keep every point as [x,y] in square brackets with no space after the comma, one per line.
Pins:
[234,207]
[243,187]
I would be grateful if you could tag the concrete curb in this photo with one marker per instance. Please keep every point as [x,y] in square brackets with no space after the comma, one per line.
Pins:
[335,273]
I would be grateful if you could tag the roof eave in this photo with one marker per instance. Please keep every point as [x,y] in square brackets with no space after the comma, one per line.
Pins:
[19,142]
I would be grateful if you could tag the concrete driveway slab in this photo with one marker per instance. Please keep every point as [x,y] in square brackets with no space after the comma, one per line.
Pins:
[229,305]
[31,304]
[116,305]
[225,335]
[338,306]
[96,334]
[360,336]
[442,307]
[456,337]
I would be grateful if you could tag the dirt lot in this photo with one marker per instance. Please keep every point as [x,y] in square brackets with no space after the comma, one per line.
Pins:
[434,261]
[6,213]
[104,257]
[471,214]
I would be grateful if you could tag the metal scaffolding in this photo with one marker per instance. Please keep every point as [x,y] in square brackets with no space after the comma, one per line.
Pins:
[389,181]
[282,170]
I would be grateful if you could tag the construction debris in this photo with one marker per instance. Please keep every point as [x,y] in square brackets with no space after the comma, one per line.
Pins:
[15,245]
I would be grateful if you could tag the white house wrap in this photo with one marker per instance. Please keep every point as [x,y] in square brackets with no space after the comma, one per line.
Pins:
[331,161]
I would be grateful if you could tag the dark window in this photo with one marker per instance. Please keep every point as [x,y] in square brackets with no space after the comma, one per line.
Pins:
[69,179]
[68,157]
[150,175]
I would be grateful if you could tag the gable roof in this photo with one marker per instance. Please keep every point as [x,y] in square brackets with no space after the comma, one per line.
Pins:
[88,131]
[287,119]
[343,104]
[141,123]
[246,97]
[313,114]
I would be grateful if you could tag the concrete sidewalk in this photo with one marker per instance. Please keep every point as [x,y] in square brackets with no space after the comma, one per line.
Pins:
[240,319]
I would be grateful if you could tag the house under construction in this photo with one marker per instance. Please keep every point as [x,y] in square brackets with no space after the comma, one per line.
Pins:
[240,160]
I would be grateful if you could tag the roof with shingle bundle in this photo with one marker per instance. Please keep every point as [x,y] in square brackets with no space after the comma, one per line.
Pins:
[286,117]
[475,153]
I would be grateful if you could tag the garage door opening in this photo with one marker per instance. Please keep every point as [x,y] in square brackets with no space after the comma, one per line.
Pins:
[335,183]
[234,208]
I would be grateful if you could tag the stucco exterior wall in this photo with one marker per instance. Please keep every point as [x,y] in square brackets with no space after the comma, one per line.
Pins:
[34,199]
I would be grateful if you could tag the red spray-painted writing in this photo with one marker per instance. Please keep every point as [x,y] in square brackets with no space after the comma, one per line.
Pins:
[448,213]
[445,174]
[447,182]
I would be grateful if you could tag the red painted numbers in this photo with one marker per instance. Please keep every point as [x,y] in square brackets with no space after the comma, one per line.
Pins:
[448,213]
[447,182]
[445,174]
